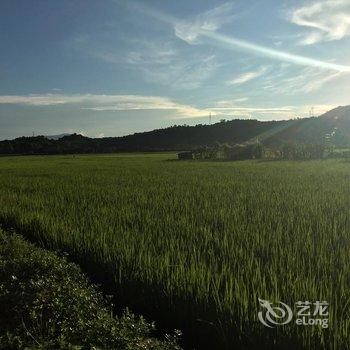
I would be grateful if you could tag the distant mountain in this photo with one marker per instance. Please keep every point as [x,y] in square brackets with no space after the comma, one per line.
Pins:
[334,124]
[340,119]
[190,137]
[340,113]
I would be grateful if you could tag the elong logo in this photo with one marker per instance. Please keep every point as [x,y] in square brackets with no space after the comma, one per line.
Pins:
[308,314]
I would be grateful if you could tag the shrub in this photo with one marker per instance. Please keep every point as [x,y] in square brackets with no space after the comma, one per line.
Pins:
[185,155]
[46,302]
[247,151]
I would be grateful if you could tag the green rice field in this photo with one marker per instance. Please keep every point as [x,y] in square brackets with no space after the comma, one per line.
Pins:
[193,245]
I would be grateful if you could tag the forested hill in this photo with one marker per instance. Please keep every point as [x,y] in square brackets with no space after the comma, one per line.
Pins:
[272,133]
[172,138]
[335,123]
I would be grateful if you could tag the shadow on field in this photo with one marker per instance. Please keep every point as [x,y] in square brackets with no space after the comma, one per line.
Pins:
[197,319]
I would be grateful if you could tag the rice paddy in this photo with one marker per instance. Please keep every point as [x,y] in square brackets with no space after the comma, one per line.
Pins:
[194,245]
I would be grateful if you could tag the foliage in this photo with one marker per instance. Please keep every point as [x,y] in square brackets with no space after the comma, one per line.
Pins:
[47,303]
[185,155]
[249,151]
[302,151]
[225,151]
[193,245]
[257,150]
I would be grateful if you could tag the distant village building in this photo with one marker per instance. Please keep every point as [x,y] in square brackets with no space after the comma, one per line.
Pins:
[185,155]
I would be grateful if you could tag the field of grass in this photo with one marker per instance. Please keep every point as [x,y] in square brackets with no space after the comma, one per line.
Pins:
[193,245]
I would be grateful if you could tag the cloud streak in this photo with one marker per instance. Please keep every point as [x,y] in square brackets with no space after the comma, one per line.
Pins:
[254,109]
[228,108]
[103,103]
[246,77]
[233,43]
[117,103]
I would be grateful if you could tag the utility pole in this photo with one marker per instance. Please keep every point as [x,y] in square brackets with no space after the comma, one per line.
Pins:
[311,112]
[210,118]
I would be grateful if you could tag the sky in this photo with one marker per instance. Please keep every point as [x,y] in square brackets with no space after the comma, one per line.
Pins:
[115,67]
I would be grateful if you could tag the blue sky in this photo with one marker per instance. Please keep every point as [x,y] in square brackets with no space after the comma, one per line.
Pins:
[113,67]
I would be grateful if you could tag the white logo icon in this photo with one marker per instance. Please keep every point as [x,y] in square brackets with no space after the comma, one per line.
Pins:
[308,313]
[274,315]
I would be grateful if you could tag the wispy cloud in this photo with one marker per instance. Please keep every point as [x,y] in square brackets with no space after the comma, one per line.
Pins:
[327,20]
[317,109]
[178,72]
[230,108]
[162,63]
[102,103]
[190,30]
[319,82]
[247,76]
[309,80]
[115,103]
[210,32]
[233,107]
[253,109]
[240,99]
[154,52]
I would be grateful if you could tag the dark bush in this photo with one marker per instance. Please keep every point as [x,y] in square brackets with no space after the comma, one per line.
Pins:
[302,151]
[47,303]
[185,155]
[246,151]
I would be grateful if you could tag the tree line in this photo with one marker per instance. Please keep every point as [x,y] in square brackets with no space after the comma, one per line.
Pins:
[257,150]
[292,139]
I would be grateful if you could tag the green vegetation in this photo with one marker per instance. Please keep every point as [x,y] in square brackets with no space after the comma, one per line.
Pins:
[47,303]
[257,150]
[193,245]
[254,150]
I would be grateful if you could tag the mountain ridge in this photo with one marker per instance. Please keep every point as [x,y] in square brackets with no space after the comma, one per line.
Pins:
[335,122]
